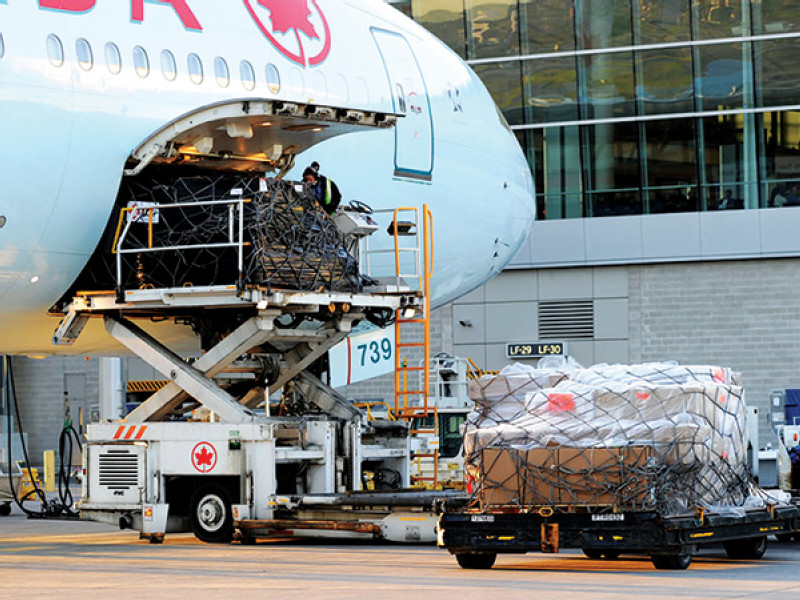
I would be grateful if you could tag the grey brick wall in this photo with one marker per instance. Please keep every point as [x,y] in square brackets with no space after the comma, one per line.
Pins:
[40,386]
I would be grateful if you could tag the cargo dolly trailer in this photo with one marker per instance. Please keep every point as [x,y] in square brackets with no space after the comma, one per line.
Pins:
[477,538]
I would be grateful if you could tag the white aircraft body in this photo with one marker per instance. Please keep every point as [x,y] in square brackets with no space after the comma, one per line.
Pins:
[89,87]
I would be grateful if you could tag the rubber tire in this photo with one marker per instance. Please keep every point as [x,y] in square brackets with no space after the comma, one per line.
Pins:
[593,553]
[215,498]
[747,549]
[671,562]
[5,509]
[784,537]
[611,554]
[483,560]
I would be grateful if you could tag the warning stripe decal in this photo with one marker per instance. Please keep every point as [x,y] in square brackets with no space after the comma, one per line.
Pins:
[129,433]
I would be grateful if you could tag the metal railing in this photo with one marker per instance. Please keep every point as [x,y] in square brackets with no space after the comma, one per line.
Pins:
[235,231]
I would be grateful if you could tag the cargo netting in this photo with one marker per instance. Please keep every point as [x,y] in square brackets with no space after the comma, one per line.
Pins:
[650,437]
[289,241]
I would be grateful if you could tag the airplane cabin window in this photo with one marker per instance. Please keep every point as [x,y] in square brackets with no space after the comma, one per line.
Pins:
[113,58]
[141,62]
[2,46]
[168,66]
[273,78]
[55,51]
[83,50]
[248,75]
[195,69]
[221,72]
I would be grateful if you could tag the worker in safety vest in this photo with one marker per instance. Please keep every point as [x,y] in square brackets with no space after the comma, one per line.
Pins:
[325,190]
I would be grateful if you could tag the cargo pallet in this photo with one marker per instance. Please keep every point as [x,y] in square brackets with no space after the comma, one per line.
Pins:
[476,538]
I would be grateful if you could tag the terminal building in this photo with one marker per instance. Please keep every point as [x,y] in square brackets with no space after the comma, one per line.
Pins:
[664,136]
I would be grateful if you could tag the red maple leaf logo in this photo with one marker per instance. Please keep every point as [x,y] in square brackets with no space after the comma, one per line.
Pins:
[290,14]
[203,457]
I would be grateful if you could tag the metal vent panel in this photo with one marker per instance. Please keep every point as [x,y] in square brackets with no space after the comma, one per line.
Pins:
[566,319]
[118,471]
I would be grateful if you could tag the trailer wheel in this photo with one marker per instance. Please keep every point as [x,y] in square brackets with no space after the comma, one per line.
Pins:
[611,554]
[671,562]
[593,553]
[212,520]
[748,548]
[5,509]
[784,537]
[483,560]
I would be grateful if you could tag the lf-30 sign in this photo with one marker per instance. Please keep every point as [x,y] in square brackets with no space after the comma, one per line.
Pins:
[535,349]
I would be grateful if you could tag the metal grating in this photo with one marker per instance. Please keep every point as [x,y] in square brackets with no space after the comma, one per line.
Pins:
[566,319]
[119,470]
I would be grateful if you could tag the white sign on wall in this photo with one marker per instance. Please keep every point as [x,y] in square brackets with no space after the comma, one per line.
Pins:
[362,356]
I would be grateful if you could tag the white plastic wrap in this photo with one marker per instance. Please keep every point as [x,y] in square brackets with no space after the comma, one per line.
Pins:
[688,421]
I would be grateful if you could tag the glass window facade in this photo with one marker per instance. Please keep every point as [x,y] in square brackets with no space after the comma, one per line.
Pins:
[640,106]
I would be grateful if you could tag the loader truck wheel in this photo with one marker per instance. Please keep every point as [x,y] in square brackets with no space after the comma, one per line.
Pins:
[212,520]
[5,509]
[593,553]
[471,560]
[748,548]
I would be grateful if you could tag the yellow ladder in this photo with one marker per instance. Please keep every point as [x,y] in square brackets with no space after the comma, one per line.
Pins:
[411,402]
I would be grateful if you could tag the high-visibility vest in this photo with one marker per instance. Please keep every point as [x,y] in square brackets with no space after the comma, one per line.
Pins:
[327,197]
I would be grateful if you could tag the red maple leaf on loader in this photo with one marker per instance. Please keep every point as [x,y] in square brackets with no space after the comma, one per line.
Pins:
[203,457]
[290,14]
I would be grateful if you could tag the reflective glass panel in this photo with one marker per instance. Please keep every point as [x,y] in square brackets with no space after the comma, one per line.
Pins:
[664,84]
[168,65]
[248,75]
[493,28]
[84,53]
[729,160]
[547,26]
[724,73]
[55,51]
[555,154]
[2,46]
[504,82]
[195,68]
[221,72]
[551,92]
[780,163]
[778,72]
[141,62]
[603,24]
[445,19]
[671,164]
[776,16]
[113,58]
[615,203]
[610,156]
[607,85]
[660,21]
[720,18]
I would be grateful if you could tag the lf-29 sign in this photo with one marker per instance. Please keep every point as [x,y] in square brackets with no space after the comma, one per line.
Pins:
[535,349]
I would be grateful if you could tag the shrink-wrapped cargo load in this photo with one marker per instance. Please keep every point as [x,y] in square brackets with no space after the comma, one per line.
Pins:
[656,436]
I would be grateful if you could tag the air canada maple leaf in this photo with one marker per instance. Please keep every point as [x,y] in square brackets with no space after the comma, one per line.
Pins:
[203,457]
[290,14]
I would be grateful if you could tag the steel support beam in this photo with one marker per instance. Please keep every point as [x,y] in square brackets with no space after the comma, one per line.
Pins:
[184,376]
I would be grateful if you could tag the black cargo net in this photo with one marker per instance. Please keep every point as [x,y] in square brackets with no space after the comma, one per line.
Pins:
[646,437]
[289,242]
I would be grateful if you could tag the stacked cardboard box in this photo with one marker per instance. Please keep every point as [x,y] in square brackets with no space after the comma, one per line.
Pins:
[657,436]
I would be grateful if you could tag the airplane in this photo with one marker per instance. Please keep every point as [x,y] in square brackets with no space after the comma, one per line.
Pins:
[93,92]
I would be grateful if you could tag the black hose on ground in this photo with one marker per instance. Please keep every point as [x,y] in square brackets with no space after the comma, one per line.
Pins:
[66,443]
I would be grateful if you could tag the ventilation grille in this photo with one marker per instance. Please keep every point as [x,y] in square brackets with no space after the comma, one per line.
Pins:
[566,320]
[119,470]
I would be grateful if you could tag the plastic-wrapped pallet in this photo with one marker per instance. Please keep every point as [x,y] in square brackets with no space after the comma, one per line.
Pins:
[662,437]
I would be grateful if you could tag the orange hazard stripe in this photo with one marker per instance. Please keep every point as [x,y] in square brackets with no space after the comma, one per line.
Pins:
[129,433]
[119,432]
[140,433]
